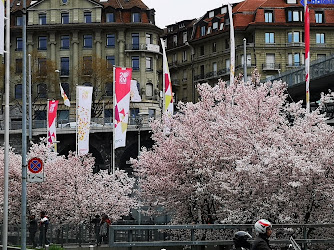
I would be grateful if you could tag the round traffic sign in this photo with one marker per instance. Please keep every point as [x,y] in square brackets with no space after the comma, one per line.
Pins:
[35,165]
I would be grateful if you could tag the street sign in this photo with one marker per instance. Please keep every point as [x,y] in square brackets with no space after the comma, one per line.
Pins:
[317,2]
[35,170]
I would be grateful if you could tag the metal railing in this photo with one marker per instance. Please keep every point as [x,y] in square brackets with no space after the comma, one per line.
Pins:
[215,234]
[177,235]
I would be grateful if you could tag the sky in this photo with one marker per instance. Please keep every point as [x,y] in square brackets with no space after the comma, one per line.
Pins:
[172,11]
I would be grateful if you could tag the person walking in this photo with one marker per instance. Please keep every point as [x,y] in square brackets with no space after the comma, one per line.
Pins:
[104,229]
[43,228]
[263,228]
[33,227]
[96,221]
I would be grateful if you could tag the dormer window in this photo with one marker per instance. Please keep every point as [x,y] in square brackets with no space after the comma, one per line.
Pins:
[42,19]
[88,16]
[223,10]
[215,26]
[294,15]
[319,17]
[268,16]
[203,30]
[211,14]
[291,1]
[110,17]
[136,17]
[64,1]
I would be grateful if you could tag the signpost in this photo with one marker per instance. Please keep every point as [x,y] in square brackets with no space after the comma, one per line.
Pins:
[35,170]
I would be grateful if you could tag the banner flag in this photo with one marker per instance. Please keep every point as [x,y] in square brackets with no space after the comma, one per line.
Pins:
[122,81]
[134,93]
[52,118]
[307,55]
[2,26]
[168,94]
[232,44]
[63,94]
[84,106]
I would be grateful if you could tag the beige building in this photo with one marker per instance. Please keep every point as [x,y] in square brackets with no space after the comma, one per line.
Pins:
[77,42]
[199,50]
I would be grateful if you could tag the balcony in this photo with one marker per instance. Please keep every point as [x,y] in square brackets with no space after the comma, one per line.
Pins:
[271,66]
[142,47]
[212,75]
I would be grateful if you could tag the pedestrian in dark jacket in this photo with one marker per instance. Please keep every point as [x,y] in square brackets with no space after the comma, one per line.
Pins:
[33,226]
[96,221]
[43,228]
[264,231]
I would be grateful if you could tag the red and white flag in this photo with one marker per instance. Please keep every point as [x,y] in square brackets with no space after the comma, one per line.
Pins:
[168,94]
[122,83]
[52,119]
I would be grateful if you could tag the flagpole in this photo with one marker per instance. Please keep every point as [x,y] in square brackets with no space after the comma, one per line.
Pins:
[6,136]
[29,98]
[76,121]
[232,44]
[24,131]
[307,55]
[113,133]
[163,76]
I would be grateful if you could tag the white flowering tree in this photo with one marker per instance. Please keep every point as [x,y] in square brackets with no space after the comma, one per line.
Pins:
[71,193]
[241,153]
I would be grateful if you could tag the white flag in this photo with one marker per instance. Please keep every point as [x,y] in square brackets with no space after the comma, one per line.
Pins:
[84,106]
[63,94]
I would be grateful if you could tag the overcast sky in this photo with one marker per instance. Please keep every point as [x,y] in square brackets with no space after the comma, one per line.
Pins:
[172,11]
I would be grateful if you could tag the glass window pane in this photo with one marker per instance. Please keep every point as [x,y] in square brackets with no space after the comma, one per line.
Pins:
[110,17]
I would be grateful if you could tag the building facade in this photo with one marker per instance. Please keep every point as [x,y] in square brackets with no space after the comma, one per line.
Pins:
[199,50]
[77,42]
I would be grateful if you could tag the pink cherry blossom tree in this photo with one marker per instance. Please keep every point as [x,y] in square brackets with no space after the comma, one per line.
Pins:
[239,154]
[70,193]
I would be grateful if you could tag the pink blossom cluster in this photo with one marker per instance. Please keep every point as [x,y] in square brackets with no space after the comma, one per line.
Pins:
[241,153]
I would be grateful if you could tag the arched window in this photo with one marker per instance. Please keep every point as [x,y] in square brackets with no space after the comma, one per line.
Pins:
[109,89]
[149,89]
[18,91]
[42,90]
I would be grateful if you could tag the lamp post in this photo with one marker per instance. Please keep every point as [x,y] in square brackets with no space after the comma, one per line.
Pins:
[140,121]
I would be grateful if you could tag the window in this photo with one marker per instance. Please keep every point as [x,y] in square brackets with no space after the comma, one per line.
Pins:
[135,40]
[209,30]
[108,116]
[295,16]
[268,16]
[42,66]
[18,91]
[214,68]
[294,37]
[149,89]
[136,17]
[269,37]
[319,17]
[110,61]
[66,88]
[135,62]
[320,38]
[270,61]
[184,56]
[203,31]
[42,19]
[227,43]
[227,64]
[65,42]
[151,113]
[202,71]
[88,41]
[174,58]
[65,18]
[297,59]
[63,116]
[149,64]
[42,43]
[18,68]
[248,62]
[221,26]
[321,57]
[211,14]
[110,17]
[149,38]
[88,16]
[64,1]
[109,89]
[40,115]
[214,47]
[19,21]
[42,90]
[110,41]
[87,65]
[223,10]
[215,26]
[202,50]
[175,40]
[185,75]
[65,66]
[19,43]
[185,37]
[134,113]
